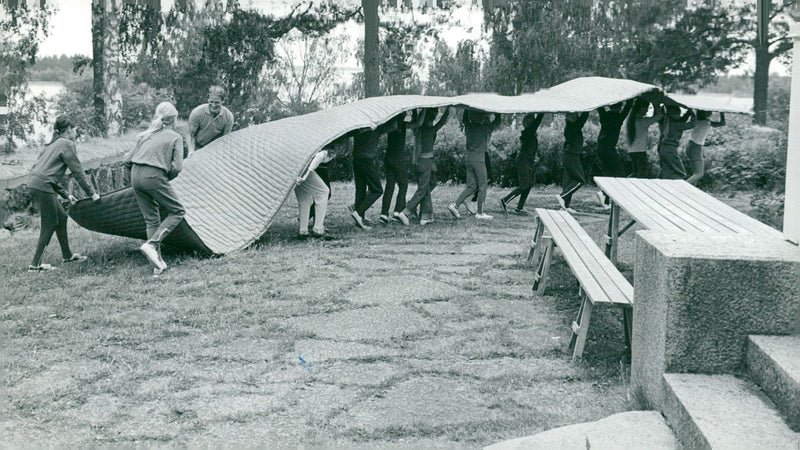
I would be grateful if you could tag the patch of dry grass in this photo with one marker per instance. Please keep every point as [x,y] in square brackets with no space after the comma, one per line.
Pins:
[452,350]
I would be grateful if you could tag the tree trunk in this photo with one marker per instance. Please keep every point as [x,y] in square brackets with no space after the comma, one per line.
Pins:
[113,90]
[372,81]
[98,66]
[761,85]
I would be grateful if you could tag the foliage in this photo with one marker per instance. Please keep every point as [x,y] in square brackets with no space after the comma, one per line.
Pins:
[455,74]
[539,43]
[400,54]
[304,76]
[21,30]
[744,157]
[769,207]
[185,51]
[138,103]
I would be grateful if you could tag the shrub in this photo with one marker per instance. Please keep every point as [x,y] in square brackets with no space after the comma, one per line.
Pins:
[769,207]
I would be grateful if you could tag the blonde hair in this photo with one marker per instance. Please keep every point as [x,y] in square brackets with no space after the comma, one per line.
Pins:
[164,109]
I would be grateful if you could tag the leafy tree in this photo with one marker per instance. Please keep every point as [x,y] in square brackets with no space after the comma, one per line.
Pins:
[399,55]
[305,71]
[21,30]
[539,43]
[777,44]
[455,74]
[187,50]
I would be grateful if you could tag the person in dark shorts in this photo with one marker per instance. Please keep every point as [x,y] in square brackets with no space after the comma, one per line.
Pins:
[44,182]
[611,120]
[526,158]
[365,170]
[574,178]
[424,166]
[157,159]
[394,164]
[694,150]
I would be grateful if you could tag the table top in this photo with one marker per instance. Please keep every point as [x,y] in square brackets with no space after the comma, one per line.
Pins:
[675,205]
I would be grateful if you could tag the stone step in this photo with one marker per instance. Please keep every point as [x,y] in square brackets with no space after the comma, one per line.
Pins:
[633,430]
[773,362]
[723,412]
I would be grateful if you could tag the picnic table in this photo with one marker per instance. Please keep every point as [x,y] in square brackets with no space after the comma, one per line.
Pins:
[672,205]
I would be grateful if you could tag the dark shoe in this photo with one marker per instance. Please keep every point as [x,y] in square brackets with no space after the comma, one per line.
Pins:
[503,204]
[323,236]
[303,236]
[520,212]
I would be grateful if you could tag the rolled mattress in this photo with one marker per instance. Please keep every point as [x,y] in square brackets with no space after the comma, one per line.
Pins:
[233,187]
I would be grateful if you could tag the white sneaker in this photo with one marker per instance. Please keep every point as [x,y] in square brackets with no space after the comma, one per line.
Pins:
[425,221]
[403,218]
[601,198]
[359,221]
[454,210]
[570,210]
[561,201]
[384,219]
[483,216]
[472,207]
[41,268]
[149,250]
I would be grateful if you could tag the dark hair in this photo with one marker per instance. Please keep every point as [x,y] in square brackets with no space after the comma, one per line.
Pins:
[702,114]
[63,123]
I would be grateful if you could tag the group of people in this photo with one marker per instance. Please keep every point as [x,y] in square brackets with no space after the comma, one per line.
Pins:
[672,125]
[158,157]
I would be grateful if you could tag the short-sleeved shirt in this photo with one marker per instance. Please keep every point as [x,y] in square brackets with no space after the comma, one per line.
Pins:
[204,127]
[700,131]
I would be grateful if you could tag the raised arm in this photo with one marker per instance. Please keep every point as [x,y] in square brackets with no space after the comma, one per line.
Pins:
[627,108]
[720,122]
[416,119]
[442,120]
[496,122]
[537,120]
[582,118]
[684,124]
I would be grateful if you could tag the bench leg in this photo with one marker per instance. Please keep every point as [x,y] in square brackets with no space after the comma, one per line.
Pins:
[628,319]
[612,237]
[540,278]
[536,243]
[580,327]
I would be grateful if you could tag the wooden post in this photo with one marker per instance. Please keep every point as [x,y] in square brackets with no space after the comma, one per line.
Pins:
[791,210]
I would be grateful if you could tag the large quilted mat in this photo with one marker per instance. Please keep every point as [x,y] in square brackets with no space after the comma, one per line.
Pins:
[233,187]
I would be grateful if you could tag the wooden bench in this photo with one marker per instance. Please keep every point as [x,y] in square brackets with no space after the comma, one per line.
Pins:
[600,281]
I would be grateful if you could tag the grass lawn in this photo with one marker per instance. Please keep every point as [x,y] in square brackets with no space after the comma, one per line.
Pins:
[409,336]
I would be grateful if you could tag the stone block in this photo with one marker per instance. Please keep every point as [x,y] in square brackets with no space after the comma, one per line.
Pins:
[698,296]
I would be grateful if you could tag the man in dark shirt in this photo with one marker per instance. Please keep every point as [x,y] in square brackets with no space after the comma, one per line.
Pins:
[610,124]
[365,170]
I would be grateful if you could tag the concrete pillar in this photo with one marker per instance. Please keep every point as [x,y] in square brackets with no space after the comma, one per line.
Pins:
[697,297]
[791,210]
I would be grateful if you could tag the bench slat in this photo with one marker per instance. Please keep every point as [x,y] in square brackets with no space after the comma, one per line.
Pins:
[694,221]
[705,202]
[650,218]
[593,270]
[598,266]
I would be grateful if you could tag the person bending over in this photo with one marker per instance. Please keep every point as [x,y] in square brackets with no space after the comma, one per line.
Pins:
[157,159]
[44,183]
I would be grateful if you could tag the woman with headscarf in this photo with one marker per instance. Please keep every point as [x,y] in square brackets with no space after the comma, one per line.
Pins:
[156,159]
[44,179]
